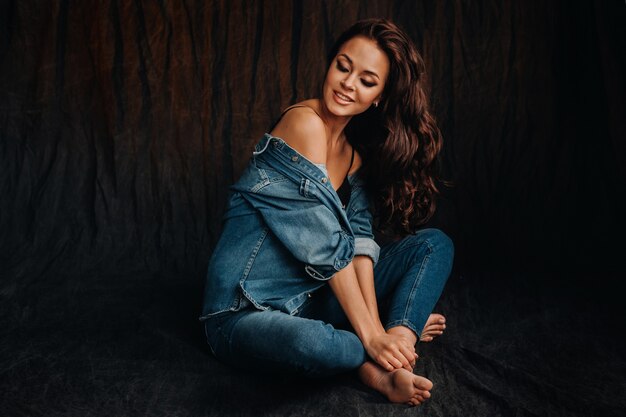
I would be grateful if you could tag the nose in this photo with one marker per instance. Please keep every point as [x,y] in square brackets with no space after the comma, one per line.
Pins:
[348,84]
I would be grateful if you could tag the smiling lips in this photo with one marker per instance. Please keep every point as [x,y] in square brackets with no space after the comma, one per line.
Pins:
[342,98]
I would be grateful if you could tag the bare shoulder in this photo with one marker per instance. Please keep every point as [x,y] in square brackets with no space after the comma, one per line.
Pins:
[303,129]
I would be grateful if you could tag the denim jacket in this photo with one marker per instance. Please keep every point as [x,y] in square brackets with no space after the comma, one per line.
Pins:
[285,233]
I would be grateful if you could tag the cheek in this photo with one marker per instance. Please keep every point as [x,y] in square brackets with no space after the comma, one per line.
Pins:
[332,78]
[369,96]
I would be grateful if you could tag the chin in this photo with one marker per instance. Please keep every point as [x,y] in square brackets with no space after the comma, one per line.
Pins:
[339,111]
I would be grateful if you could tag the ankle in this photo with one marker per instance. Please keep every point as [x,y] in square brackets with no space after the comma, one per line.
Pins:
[404,332]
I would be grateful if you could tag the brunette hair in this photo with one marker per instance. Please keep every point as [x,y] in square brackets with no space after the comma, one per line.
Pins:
[399,139]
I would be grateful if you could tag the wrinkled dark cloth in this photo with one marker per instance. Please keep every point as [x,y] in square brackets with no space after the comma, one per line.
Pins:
[122,124]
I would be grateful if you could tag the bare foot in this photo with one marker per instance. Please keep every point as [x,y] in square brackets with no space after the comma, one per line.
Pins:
[399,386]
[434,327]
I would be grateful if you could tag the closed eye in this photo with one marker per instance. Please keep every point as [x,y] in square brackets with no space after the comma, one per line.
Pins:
[368,83]
[341,67]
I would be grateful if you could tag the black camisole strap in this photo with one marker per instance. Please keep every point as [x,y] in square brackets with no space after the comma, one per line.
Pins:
[289,108]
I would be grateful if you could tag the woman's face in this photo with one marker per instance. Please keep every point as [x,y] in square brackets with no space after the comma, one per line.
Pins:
[356,77]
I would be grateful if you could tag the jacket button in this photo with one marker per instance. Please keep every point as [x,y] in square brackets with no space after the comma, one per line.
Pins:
[324,180]
[294,158]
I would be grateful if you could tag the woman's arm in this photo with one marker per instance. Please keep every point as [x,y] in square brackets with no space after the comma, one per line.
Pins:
[364,268]
[306,132]
[389,351]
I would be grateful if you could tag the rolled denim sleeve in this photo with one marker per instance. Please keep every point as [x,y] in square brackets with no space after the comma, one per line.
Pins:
[368,247]
[309,230]
[360,218]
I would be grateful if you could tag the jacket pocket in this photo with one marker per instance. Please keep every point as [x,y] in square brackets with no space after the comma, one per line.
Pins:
[307,189]
[262,182]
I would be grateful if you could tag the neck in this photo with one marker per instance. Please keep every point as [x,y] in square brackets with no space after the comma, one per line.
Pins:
[334,124]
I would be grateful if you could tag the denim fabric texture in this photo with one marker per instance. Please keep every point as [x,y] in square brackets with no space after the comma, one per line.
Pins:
[318,341]
[284,233]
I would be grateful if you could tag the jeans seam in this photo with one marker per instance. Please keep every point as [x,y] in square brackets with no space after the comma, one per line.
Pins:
[414,287]
[254,253]
[228,338]
[403,322]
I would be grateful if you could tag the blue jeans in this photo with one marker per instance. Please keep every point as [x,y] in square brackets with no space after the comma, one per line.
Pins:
[318,341]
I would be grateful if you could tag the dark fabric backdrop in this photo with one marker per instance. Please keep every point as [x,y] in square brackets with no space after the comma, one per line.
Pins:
[122,124]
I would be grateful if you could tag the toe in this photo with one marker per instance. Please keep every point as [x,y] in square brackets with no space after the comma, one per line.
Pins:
[434,328]
[414,402]
[422,385]
[436,318]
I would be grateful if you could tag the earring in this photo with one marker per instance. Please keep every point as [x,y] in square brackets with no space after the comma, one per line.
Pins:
[375,104]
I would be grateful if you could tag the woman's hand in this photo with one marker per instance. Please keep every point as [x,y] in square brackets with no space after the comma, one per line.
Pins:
[391,351]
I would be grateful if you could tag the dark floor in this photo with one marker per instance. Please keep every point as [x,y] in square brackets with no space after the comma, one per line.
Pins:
[516,345]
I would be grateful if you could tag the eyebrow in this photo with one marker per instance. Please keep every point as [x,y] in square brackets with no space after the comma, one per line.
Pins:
[366,71]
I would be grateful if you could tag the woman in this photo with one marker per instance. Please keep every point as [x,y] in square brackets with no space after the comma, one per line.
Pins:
[295,281]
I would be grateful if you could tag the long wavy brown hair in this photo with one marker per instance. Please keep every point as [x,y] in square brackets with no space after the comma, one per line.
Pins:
[399,140]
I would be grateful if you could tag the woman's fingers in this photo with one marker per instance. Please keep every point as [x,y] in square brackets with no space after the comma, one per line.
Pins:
[392,352]
[405,353]
[395,362]
[398,358]
[389,361]
[385,364]
[410,355]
